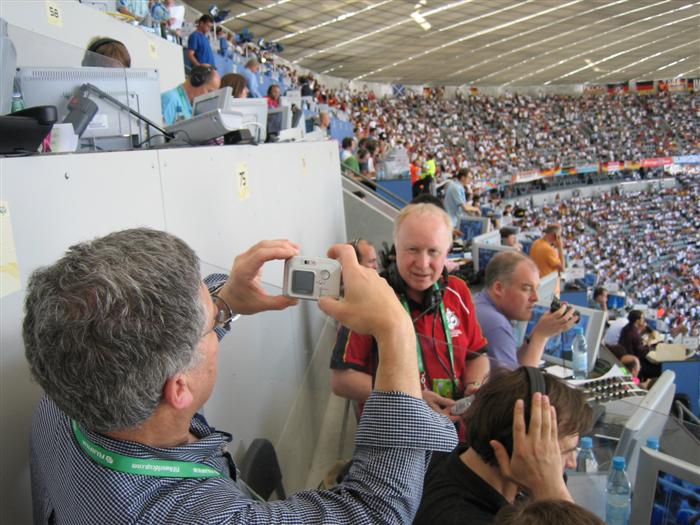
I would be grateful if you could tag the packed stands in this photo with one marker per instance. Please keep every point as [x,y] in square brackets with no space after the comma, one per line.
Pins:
[647,242]
[497,137]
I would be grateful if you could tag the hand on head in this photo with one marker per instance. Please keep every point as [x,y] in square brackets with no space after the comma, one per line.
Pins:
[536,462]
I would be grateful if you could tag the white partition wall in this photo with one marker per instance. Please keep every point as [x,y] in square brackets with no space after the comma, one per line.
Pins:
[273,368]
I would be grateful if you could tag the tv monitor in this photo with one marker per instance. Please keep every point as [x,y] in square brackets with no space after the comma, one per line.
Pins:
[647,420]
[472,227]
[219,99]
[483,253]
[666,490]
[491,237]
[558,348]
[254,113]
[548,284]
[111,128]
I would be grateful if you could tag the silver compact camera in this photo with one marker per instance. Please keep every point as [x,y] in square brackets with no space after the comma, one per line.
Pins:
[311,277]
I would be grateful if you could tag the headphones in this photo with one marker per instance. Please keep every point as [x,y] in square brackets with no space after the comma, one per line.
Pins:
[536,380]
[200,74]
[432,296]
[97,44]
[355,243]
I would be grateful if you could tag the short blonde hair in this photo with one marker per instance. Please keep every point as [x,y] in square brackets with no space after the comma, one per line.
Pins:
[423,208]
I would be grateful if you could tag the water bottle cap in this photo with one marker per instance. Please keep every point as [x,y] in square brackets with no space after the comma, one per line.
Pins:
[578,330]
[618,463]
[653,442]
[586,442]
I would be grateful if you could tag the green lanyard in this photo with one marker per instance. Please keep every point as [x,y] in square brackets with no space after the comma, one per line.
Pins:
[448,337]
[160,468]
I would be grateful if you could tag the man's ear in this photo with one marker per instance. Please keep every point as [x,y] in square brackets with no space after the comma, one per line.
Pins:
[498,289]
[177,393]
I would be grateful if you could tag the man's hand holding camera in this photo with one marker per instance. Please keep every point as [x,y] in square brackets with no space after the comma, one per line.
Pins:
[243,290]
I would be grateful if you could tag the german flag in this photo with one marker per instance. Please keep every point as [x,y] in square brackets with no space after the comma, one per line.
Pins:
[646,86]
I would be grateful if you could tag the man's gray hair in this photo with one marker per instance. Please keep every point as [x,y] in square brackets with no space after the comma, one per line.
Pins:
[110,321]
[502,265]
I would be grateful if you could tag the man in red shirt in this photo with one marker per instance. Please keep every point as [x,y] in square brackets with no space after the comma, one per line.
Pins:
[441,307]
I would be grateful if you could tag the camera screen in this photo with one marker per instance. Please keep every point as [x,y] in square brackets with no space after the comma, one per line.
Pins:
[303,282]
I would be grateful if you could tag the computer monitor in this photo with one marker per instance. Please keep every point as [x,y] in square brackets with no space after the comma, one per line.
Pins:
[492,237]
[472,227]
[558,348]
[548,284]
[254,111]
[666,490]
[647,420]
[111,127]
[220,99]
[483,253]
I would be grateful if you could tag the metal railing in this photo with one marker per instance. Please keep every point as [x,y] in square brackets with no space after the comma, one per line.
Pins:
[373,187]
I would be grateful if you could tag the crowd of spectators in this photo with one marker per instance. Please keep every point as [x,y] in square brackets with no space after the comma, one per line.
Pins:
[496,137]
[647,243]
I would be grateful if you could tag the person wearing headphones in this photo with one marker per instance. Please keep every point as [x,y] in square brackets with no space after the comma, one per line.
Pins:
[501,463]
[365,252]
[176,104]
[106,52]
[441,308]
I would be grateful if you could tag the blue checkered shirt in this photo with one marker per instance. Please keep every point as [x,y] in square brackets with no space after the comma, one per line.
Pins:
[384,484]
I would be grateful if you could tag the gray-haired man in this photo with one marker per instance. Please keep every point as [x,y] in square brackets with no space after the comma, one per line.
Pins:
[123,336]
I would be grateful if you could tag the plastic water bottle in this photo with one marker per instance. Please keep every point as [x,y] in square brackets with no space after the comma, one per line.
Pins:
[585,461]
[618,494]
[579,350]
[653,443]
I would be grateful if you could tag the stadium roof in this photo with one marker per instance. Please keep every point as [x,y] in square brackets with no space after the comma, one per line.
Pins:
[481,42]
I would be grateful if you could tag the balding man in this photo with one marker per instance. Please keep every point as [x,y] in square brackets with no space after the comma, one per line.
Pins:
[177,102]
[510,294]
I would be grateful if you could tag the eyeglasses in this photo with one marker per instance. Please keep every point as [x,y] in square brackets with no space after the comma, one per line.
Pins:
[224,315]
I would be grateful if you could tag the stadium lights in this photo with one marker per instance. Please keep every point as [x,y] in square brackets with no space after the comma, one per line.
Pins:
[556,22]
[339,18]
[629,50]
[261,8]
[468,37]
[595,36]
[649,57]
[344,43]
[418,18]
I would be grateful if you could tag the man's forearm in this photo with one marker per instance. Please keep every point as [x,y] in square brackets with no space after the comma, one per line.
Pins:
[398,364]
[530,353]
[193,59]
[351,384]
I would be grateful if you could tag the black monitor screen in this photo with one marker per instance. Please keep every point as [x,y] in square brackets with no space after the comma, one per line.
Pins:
[303,282]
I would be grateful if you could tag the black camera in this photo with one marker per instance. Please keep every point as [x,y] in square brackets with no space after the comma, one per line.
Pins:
[556,304]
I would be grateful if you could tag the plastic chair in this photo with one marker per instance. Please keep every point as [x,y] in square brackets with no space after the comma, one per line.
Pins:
[261,471]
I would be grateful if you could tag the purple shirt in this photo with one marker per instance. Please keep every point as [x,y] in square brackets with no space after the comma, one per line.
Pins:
[498,332]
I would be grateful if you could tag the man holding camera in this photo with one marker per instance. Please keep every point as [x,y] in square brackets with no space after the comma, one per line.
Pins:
[509,294]
[122,335]
[440,306]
